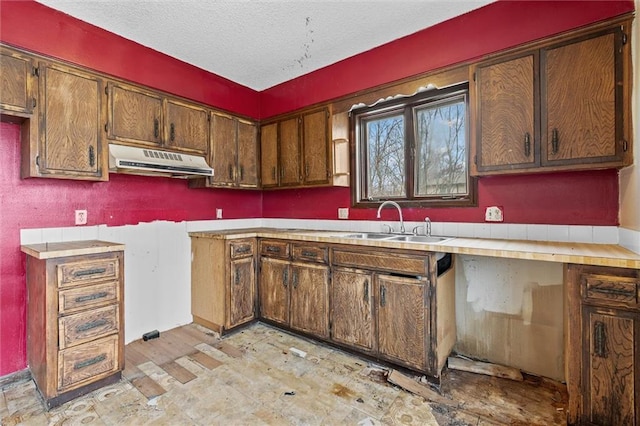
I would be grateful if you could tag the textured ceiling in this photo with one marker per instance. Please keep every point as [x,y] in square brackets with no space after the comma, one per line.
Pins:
[262,43]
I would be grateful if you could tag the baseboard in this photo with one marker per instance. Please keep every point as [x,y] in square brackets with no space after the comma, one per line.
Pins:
[18,376]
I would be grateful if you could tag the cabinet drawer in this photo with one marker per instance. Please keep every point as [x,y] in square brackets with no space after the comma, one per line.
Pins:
[274,248]
[610,288]
[383,261]
[243,248]
[89,325]
[83,363]
[90,296]
[310,253]
[75,273]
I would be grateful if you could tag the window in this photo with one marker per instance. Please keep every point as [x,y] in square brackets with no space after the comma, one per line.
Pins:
[414,150]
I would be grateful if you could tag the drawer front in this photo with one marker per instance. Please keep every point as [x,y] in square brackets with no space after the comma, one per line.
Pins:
[91,296]
[242,248]
[274,248]
[610,288]
[89,325]
[311,253]
[76,273]
[382,261]
[85,363]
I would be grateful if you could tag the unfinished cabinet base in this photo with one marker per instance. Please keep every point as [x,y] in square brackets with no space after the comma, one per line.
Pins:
[75,393]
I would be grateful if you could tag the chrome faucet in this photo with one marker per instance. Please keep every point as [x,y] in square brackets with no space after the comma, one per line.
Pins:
[397,206]
[426,228]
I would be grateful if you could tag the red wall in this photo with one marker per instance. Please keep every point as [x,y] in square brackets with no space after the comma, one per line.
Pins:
[569,198]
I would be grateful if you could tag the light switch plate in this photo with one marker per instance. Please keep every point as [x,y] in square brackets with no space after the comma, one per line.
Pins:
[218,213]
[493,214]
[343,213]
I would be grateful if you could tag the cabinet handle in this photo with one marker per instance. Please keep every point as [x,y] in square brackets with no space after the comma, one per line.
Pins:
[156,128]
[527,144]
[90,361]
[554,141]
[92,156]
[90,325]
[273,249]
[295,279]
[273,172]
[366,290]
[383,296]
[242,250]
[599,339]
[285,277]
[85,272]
[33,103]
[241,172]
[306,170]
[311,254]
[172,132]
[230,172]
[237,276]
[93,296]
[282,173]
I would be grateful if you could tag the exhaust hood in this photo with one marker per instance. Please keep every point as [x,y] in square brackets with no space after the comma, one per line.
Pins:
[155,162]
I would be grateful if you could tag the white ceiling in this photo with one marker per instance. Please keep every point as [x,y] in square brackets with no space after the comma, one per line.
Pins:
[262,43]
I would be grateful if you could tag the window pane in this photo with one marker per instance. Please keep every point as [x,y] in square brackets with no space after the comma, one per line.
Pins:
[441,149]
[385,156]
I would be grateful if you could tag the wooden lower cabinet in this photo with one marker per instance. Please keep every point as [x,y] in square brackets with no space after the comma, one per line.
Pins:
[309,302]
[75,330]
[274,290]
[352,309]
[602,348]
[223,280]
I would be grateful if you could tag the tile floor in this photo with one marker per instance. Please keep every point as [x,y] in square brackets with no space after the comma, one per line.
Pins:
[264,383]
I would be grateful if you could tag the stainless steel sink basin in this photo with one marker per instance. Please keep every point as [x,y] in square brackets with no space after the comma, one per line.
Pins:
[419,239]
[370,236]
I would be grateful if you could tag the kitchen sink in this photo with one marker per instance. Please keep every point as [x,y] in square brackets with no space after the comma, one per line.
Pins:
[370,236]
[419,239]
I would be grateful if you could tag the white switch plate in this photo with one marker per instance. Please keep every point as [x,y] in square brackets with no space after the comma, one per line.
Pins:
[218,213]
[81,217]
[343,213]
[493,214]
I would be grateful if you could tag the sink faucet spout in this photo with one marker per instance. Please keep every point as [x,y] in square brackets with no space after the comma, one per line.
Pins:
[397,206]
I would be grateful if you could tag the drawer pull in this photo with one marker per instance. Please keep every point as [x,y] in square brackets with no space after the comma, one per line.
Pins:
[93,296]
[89,325]
[242,250]
[273,249]
[86,272]
[613,291]
[383,296]
[311,254]
[285,277]
[90,361]
[366,290]
[599,339]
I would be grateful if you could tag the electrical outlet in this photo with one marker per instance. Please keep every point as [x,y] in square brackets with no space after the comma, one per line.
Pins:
[81,217]
[493,214]
[218,213]
[343,213]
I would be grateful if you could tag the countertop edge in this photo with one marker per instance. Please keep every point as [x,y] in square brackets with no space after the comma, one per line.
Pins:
[70,248]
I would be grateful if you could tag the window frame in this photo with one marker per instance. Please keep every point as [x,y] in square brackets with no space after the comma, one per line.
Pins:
[407,107]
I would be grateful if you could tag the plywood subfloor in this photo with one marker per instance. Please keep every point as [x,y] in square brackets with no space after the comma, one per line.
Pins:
[190,377]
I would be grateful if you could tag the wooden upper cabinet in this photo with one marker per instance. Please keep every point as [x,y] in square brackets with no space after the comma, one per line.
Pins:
[186,127]
[146,118]
[289,139]
[134,115]
[563,106]
[17,82]
[224,149]
[234,152]
[316,147]
[70,125]
[582,105]
[247,137]
[506,128]
[269,155]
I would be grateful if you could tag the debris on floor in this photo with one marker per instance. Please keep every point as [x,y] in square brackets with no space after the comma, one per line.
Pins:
[486,368]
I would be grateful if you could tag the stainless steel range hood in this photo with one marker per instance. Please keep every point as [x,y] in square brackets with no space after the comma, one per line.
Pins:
[146,161]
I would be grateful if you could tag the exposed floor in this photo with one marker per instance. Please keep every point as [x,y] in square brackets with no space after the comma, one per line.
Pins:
[190,377]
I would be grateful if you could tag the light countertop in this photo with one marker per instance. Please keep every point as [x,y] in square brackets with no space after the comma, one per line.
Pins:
[69,248]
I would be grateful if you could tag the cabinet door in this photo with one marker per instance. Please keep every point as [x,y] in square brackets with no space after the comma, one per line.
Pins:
[309,299]
[269,155]
[16,82]
[70,144]
[247,154]
[506,129]
[610,374]
[224,149]
[242,291]
[352,308]
[274,290]
[289,152]
[134,115]
[402,330]
[582,101]
[316,147]
[186,127]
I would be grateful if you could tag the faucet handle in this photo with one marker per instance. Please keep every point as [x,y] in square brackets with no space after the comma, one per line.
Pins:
[388,226]
[415,229]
